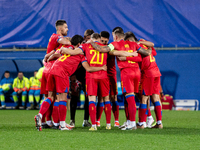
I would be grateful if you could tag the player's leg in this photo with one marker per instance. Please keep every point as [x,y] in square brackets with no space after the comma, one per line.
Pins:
[92,111]
[142,112]
[73,105]
[47,102]
[130,98]
[113,99]
[86,122]
[91,90]
[55,114]
[157,102]
[100,108]
[146,90]
[104,88]
[149,119]
[45,93]
[131,78]
[158,110]
[115,109]
[63,110]
[107,111]
[62,87]
[43,120]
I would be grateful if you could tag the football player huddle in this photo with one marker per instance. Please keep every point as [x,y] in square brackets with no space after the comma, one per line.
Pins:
[135,59]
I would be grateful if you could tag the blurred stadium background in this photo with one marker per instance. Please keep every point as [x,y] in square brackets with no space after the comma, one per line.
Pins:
[174,27]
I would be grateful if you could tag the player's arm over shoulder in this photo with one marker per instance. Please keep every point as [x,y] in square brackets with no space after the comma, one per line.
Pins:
[88,68]
[147,43]
[102,49]
[63,40]
[69,51]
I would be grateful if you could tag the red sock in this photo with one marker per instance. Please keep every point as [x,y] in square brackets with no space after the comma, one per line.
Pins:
[115,109]
[149,112]
[142,112]
[92,112]
[100,110]
[45,105]
[62,110]
[55,112]
[126,111]
[49,112]
[158,111]
[108,112]
[43,118]
[131,107]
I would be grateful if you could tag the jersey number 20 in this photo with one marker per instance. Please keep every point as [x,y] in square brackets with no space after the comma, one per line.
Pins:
[96,55]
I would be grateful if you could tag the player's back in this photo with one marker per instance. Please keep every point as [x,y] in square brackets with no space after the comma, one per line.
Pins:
[66,65]
[129,47]
[148,64]
[95,59]
[53,42]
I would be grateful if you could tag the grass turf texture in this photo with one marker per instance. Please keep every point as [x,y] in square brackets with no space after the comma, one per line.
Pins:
[181,131]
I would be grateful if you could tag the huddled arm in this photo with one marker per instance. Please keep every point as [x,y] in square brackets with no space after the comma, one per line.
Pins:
[69,51]
[93,69]
[103,49]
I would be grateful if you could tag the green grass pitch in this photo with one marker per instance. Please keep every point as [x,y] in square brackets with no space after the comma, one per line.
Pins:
[181,131]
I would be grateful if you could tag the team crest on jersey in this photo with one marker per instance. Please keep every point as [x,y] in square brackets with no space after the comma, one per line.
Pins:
[90,46]
[126,46]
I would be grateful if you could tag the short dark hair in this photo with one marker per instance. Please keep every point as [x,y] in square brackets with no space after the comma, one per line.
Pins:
[35,71]
[60,22]
[130,35]
[95,36]
[6,71]
[105,34]
[117,28]
[20,72]
[88,32]
[76,39]
[119,32]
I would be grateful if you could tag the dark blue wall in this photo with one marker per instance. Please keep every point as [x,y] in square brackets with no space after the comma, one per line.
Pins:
[180,69]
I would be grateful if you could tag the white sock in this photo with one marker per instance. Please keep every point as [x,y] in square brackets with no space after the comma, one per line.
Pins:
[43,123]
[40,115]
[128,122]
[117,121]
[108,124]
[56,124]
[62,123]
[132,123]
[159,122]
[149,117]
[94,125]
[49,123]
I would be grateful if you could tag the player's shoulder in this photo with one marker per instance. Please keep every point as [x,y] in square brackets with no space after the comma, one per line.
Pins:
[55,36]
[69,46]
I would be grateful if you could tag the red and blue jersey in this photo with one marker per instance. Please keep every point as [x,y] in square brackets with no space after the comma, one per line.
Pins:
[95,59]
[53,42]
[129,47]
[66,65]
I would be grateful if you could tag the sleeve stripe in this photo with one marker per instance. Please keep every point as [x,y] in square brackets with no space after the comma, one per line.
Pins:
[81,49]
[138,49]
[84,61]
